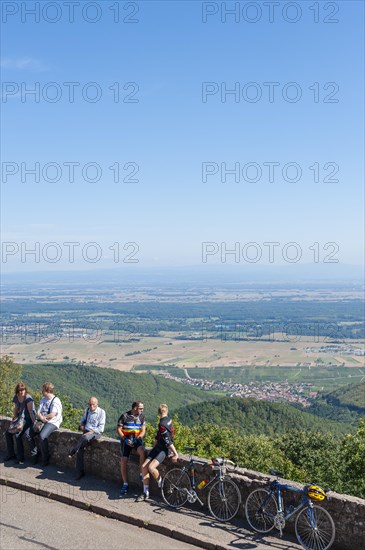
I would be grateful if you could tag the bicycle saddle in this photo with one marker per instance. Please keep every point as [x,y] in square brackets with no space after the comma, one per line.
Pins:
[276,473]
[190,448]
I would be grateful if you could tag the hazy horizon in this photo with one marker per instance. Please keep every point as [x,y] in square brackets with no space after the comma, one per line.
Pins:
[200,275]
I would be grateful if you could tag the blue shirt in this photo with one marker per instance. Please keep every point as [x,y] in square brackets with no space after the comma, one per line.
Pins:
[94,420]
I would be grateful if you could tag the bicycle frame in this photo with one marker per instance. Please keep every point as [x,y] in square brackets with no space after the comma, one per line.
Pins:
[314,527]
[191,493]
[276,490]
[223,495]
[191,473]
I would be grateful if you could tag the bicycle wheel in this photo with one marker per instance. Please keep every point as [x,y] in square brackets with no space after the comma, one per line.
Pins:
[314,528]
[175,487]
[224,499]
[261,508]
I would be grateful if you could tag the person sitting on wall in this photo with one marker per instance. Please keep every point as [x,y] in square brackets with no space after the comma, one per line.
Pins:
[92,425]
[131,429]
[49,413]
[24,411]
[164,446]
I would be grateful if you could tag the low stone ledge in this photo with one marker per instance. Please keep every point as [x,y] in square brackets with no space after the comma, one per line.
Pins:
[102,459]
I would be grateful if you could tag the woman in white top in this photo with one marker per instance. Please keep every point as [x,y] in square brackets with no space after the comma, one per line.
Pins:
[50,413]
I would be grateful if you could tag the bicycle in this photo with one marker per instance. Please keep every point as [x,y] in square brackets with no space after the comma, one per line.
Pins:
[224,497]
[314,527]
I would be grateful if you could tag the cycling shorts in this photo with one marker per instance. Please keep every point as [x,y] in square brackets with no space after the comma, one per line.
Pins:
[157,454]
[125,450]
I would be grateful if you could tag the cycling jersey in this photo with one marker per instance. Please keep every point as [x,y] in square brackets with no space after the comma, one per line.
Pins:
[165,433]
[131,425]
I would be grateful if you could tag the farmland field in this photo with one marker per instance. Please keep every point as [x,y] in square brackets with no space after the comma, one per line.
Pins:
[242,334]
[166,350]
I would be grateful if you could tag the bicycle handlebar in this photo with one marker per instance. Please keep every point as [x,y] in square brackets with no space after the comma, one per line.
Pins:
[221,462]
[190,449]
[218,462]
[276,473]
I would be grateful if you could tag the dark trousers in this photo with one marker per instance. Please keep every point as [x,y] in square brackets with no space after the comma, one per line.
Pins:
[79,449]
[19,441]
[43,439]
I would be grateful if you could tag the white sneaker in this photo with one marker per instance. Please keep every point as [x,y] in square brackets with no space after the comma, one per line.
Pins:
[143,497]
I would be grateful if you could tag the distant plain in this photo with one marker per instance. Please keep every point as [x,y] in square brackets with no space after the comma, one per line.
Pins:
[242,332]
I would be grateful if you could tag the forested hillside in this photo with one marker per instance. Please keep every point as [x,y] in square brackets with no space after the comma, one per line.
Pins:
[351,397]
[115,390]
[249,416]
[345,405]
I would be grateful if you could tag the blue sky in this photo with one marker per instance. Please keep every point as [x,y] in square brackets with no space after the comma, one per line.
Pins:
[170,132]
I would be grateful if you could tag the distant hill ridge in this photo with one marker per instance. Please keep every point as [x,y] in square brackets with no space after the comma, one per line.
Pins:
[346,404]
[351,397]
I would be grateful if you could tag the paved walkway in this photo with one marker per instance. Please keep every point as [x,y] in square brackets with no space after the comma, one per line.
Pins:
[68,528]
[191,524]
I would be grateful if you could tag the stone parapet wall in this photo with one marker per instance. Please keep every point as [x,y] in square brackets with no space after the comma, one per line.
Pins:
[102,459]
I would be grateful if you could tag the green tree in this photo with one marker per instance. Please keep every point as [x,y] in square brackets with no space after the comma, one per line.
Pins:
[353,457]
[315,454]
[71,416]
[10,374]
[183,435]
[150,434]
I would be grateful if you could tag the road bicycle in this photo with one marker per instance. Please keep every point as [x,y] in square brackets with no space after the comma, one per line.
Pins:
[224,497]
[314,527]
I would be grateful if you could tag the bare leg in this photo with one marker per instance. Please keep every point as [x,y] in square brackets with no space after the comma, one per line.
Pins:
[123,468]
[145,474]
[152,468]
[142,457]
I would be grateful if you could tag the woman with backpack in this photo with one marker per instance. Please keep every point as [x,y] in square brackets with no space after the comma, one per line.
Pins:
[23,418]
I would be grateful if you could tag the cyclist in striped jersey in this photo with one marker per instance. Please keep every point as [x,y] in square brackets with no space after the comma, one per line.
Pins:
[131,429]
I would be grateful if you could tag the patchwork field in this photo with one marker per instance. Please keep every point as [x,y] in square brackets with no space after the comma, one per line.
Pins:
[236,332]
[167,350]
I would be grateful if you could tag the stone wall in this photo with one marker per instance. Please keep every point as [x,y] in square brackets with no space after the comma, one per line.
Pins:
[102,459]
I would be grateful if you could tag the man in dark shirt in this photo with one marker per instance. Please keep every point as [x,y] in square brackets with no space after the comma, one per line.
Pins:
[163,446]
[131,429]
